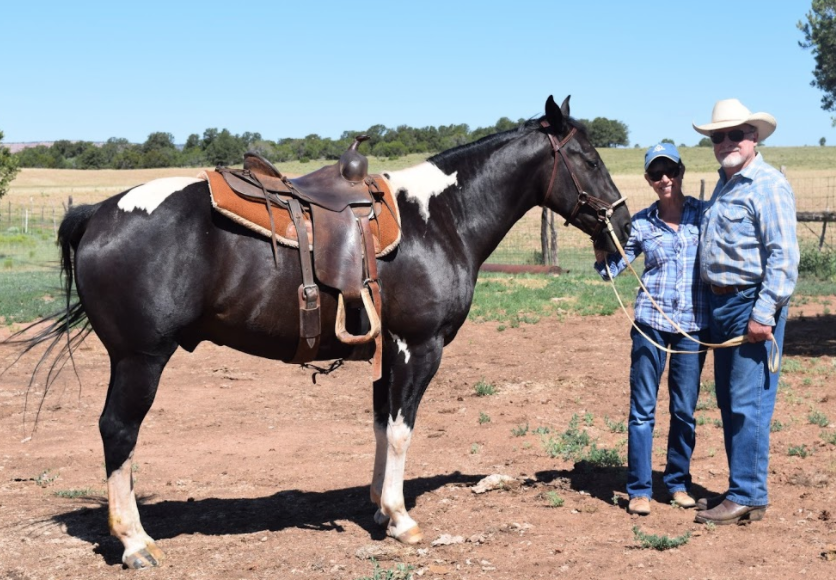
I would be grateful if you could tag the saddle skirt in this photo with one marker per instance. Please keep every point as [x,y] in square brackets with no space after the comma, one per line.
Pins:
[385,224]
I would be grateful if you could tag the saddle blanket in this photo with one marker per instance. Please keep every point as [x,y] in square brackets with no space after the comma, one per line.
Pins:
[385,227]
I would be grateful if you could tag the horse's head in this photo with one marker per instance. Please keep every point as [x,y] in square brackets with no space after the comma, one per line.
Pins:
[580,188]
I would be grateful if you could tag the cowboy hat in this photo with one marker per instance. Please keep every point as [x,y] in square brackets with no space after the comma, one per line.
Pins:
[731,113]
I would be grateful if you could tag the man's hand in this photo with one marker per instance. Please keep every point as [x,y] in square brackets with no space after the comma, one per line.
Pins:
[758,332]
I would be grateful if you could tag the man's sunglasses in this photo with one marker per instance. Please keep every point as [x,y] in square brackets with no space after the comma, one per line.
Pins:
[672,171]
[735,136]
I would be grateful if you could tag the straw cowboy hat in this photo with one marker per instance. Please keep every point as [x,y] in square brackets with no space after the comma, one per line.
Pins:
[731,113]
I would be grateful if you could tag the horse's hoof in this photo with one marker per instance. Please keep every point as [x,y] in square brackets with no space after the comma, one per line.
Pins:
[411,536]
[149,557]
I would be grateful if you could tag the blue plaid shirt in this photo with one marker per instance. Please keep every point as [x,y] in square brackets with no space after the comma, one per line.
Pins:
[671,269]
[749,236]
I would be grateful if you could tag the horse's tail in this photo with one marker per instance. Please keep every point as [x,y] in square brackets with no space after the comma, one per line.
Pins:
[56,330]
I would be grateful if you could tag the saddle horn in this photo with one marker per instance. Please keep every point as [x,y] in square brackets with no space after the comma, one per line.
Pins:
[353,165]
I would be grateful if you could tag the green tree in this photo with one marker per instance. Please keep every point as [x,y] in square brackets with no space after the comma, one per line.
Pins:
[225,149]
[705,142]
[8,167]
[822,141]
[820,35]
[605,132]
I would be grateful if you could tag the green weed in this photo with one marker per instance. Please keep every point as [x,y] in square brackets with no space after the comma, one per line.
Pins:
[829,437]
[799,451]
[588,419]
[615,427]
[76,493]
[660,543]
[818,418]
[520,430]
[474,449]
[776,426]
[791,365]
[554,500]
[483,418]
[399,572]
[484,389]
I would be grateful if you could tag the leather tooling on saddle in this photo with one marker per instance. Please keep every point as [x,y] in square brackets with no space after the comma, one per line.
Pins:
[349,217]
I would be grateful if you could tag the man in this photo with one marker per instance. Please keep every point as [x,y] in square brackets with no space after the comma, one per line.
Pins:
[749,257]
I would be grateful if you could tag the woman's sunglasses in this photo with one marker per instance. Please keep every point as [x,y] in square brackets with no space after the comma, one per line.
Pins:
[735,136]
[671,171]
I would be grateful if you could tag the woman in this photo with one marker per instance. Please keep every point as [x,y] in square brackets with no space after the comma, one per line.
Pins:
[667,233]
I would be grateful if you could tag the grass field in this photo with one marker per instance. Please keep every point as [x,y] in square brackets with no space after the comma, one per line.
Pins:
[43,194]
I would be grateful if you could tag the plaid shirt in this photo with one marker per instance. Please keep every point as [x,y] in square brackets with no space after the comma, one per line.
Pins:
[748,236]
[671,270]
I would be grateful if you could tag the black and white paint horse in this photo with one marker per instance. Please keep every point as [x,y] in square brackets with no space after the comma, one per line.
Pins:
[156,268]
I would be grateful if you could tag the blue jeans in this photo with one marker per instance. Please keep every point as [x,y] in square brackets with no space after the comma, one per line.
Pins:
[647,366]
[745,394]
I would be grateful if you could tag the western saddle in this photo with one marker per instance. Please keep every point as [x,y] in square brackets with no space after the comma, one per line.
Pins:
[339,200]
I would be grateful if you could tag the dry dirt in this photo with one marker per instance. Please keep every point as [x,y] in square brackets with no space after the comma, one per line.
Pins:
[245,469]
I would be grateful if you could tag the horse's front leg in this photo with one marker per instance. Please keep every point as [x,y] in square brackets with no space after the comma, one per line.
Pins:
[133,384]
[406,374]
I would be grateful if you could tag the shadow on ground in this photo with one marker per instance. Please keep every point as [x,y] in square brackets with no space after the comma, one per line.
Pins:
[212,516]
[811,336]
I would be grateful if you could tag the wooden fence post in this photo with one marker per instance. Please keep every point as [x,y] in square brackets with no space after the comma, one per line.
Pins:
[548,238]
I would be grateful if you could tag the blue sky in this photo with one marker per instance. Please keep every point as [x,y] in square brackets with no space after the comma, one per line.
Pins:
[94,70]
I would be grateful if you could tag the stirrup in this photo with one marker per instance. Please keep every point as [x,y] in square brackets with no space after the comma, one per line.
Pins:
[374,321]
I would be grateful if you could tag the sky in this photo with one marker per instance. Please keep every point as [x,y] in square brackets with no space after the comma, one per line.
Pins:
[89,70]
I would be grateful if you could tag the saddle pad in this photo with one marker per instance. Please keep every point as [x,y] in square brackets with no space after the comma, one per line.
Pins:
[386,227]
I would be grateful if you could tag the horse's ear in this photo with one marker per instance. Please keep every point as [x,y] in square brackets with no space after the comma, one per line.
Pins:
[564,108]
[554,115]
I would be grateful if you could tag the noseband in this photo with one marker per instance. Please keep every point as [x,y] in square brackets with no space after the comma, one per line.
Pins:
[603,209]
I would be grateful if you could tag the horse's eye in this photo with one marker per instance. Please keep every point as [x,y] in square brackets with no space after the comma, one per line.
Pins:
[592,164]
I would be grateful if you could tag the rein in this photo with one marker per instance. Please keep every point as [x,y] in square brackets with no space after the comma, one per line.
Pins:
[603,209]
[774,360]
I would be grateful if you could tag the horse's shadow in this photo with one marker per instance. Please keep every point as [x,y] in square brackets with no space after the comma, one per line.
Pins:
[607,483]
[285,509]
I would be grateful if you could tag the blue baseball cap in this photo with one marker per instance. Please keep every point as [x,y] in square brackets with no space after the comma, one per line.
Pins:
[661,150]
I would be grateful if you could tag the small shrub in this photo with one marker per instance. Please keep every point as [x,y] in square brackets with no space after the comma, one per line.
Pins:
[798,451]
[818,418]
[829,437]
[817,264]
[588,419]
[474,449]
[660,543]
[603,457]
[615,427]
[483,389]
[483,418]
[399,572]
[718,423]
[554,499]
[520,430]
[541,431]
[776,426]
[791,365]
[75,493]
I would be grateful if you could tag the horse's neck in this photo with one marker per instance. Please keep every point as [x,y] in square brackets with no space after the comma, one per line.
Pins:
[490,197]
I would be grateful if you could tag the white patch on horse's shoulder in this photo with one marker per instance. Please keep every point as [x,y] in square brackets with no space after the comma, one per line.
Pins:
[149,196]
[421,183]
[401,343]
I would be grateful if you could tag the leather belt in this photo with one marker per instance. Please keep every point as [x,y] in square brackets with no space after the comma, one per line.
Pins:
[723,290]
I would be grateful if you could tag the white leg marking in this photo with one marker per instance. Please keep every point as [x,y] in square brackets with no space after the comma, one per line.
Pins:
[401,346]
[150,195]
[420,184]
[123,515]
[392,504]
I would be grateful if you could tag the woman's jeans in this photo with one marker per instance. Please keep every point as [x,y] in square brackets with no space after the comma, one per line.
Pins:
[647,366]
[745,394]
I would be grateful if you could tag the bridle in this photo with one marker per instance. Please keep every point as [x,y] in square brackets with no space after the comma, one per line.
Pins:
[602,209]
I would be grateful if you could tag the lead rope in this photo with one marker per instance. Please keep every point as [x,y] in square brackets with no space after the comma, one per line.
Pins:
[774,357]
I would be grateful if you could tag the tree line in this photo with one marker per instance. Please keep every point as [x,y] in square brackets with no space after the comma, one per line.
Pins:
[221,147]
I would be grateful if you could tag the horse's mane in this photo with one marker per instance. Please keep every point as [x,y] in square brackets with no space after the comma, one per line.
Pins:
[496,140]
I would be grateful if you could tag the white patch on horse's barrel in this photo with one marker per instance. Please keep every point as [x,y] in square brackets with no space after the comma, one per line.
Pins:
[401,347]
[420,183]
[149,196]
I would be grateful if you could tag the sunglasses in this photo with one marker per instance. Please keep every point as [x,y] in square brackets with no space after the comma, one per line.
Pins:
[671,171]
[735,136]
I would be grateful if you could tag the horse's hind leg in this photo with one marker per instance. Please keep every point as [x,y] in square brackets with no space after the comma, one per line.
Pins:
[133,384]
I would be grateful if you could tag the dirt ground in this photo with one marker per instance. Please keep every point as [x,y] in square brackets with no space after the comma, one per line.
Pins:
[246,469]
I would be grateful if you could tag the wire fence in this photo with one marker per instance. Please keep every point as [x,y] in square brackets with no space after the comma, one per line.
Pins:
[28,230]
[815,204]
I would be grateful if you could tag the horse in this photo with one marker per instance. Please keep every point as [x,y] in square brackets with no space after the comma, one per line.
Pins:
[156,268]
